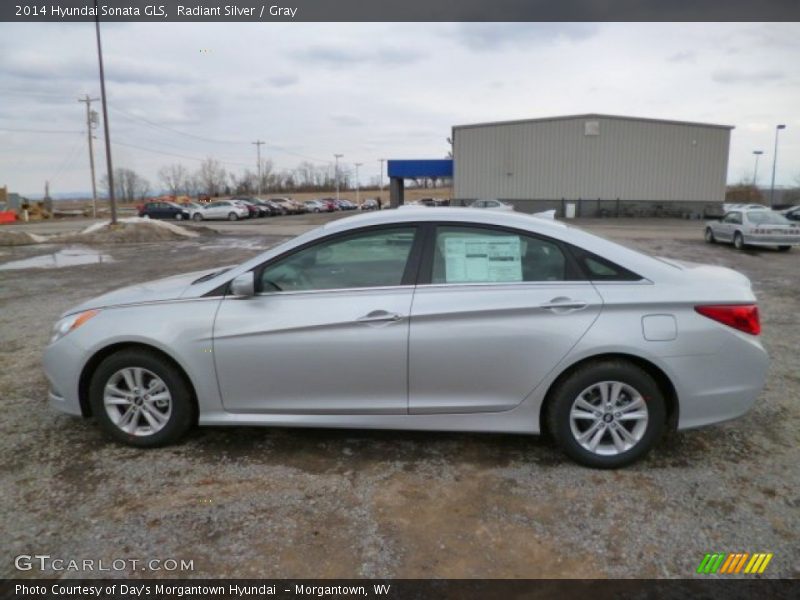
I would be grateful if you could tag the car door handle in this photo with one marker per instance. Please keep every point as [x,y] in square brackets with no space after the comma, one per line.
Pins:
[379,316]
[563,304]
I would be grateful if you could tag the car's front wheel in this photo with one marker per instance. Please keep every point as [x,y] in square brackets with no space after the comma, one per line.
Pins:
[710,236]
[197,217]
[233,216]
[140,399]
[179,217]
[738,241]
[606,414]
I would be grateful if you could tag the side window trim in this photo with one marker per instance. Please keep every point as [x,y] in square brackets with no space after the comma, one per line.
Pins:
[409,273]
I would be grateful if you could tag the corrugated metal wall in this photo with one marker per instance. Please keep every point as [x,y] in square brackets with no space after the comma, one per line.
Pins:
[628,159]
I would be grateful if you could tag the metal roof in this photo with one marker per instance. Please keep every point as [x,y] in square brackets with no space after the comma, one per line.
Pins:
[592,116]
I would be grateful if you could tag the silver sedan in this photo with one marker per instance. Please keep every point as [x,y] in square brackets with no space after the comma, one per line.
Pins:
[759,227]
[428,319]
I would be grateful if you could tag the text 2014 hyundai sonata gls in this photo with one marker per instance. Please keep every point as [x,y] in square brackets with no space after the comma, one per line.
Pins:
[434,319]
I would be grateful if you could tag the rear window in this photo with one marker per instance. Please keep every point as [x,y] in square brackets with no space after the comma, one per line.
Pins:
[596,268]
[765,216]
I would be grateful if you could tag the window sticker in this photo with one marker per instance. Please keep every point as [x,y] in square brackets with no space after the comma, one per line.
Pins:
[483,259]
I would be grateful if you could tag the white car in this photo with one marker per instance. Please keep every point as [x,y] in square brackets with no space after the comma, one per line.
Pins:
[196,210]
[757,227]
[726,207]
[491,205]
[315,206]
[225,209]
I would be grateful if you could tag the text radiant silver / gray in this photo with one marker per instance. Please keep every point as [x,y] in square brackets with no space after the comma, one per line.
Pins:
[422,318]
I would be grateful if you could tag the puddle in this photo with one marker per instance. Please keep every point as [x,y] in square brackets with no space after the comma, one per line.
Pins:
[70,256]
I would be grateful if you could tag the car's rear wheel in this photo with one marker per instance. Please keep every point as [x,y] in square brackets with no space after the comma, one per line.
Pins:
[197,217]
[784,248]
[233,216]
[738,241]
[179,217]
[606,414]
[140,399]
[710,236]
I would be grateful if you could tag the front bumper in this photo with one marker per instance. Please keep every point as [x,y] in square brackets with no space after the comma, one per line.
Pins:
[63,362]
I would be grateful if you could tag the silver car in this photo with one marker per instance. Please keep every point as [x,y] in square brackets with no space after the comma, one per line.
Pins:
[757,227]
[428,319]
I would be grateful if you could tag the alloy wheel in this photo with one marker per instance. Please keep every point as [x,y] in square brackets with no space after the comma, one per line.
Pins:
[609,418]
[137,401]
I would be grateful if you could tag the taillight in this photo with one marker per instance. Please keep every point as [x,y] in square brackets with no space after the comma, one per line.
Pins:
[743,317]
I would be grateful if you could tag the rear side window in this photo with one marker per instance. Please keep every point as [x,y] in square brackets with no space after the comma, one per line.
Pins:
[482,255]
[596,268]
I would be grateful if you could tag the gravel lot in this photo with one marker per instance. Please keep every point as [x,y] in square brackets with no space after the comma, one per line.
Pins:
[315,503]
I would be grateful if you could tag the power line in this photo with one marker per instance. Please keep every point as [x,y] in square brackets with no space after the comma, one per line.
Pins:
[39,130]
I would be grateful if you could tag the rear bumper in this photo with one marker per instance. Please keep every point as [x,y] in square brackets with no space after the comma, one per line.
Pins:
[772,240]
[722,386]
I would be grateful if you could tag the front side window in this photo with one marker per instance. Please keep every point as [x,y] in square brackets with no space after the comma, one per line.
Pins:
[480,255]
[375,258]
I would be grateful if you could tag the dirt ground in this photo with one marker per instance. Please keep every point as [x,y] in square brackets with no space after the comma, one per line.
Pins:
[315,503]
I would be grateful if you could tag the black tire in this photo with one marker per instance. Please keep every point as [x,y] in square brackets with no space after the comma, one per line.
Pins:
[197,217]
[784,248]
[738,241]
[710,236]
[182,415]
[233,216]
[179,217]
[565,393]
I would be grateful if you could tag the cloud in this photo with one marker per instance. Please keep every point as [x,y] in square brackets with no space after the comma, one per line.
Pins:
[495,36]
[347,120]
[734,76]
[334,55]
[683,57]
[281,81]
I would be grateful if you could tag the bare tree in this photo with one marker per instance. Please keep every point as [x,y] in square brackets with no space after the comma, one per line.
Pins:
[129,186]
[175,178]
[212,177]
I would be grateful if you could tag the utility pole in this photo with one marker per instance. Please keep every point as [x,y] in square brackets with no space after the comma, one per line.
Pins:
[91,123]
[336,174]
[774,163]
[756,153]
[380,180]
[112,200]
[358,196]
[258,144]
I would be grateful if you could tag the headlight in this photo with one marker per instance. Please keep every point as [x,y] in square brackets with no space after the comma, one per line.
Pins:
[67,324]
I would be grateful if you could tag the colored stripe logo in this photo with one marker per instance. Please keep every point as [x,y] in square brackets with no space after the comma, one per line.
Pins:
[734,563]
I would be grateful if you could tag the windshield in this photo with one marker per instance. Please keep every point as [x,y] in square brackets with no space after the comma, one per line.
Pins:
[766,217]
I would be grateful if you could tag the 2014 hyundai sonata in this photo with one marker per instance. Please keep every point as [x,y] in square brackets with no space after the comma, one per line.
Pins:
[433,319]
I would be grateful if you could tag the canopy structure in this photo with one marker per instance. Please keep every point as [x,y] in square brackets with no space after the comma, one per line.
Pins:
[400,170]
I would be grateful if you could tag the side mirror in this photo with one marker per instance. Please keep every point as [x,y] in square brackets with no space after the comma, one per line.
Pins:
[244,286]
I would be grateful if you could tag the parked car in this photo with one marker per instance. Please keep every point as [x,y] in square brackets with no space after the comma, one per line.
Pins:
[395,320]
[292,207]
[164,210]
[267,209]
[254,211]
[195,210]
[492,205]
[347,205]
[277,208]
[315,206]
[727,207]
[757,227]
[226,209]
[330,204]
[793,213]
[369,204]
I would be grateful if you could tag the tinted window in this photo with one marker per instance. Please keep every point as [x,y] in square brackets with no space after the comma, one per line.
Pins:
[367,259]
[478,255]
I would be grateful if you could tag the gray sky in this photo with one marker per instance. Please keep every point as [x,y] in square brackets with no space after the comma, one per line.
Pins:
[375,90]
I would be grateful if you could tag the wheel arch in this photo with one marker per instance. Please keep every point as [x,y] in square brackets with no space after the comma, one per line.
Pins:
[98,357]
[659,376]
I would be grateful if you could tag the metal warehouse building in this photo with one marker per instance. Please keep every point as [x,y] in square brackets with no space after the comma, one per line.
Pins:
[594,164]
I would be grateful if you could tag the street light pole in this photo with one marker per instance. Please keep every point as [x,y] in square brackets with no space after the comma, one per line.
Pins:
[381,161]
[258,144]
[111,199]
[358,196]
[756,153]
[336,174]
[774,163]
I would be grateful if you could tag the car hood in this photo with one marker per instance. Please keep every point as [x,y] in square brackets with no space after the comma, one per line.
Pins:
[159,290]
